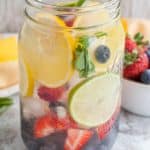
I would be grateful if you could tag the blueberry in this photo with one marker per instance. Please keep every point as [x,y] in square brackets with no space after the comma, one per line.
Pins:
[145,76]
[148,53]
[102,54]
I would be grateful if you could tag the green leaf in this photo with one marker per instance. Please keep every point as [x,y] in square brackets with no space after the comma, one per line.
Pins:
[83,63]
[75,4]
[80,3]
[100,34]
[79,63]
[139,39]
[5,102]
[130,58]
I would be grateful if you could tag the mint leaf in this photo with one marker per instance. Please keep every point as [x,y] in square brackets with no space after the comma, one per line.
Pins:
[79,63]
[75,4]
[5,103]
[100,34]
[83,63]
[80,3]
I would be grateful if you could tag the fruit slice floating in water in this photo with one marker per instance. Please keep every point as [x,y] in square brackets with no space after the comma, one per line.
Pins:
[27,81]
[51,123]
[90,105]
[77,139]
[125,24]
[50,54]
[43,127]
[51,94]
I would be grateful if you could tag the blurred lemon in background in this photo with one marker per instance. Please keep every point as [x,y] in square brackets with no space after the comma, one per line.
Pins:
[8,49]
[9,74]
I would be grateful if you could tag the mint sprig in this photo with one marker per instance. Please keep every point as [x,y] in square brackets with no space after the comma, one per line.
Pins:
[139,39]
[83,63]
[79,3]
[5,103]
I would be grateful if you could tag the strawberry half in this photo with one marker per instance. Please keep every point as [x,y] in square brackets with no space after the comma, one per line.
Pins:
[104,129]
[134,70]
[51,94]
[50,123]
[43,127]
[76,139]
[63,123]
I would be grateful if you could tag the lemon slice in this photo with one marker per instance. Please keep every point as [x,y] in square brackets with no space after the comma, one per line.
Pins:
[26,81]
[125,24]
[93,102]
[50,54]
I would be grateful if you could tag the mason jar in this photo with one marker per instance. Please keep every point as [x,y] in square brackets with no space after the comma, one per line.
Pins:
[70,56]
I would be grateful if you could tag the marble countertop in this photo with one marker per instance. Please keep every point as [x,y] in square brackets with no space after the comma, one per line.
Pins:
[134,131]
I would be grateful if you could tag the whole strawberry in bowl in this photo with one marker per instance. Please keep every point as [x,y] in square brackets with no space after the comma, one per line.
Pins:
[136,72]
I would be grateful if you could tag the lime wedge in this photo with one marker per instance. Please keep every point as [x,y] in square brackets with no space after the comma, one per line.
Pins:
[93,102]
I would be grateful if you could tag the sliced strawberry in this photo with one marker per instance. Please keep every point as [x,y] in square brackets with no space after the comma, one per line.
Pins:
[50,123]
[51,94]
[76,139]
[43,127]
[104,129]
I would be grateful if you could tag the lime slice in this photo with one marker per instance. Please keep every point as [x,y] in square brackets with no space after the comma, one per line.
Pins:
[26,81]
[93,102]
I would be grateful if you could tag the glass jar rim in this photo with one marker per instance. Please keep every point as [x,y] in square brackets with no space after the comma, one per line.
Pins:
[77,9]
[40,5]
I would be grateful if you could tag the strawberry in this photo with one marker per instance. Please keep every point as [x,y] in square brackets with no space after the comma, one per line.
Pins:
[76,139]
[103,130]
[51,94]
[43,127]
[133,70]
[68,19]
[50,123]
[63,123]
[130,45]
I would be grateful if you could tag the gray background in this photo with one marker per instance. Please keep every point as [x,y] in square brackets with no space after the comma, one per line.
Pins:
[11,12]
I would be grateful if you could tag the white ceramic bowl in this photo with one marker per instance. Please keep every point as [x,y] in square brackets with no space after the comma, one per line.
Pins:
[136,97]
